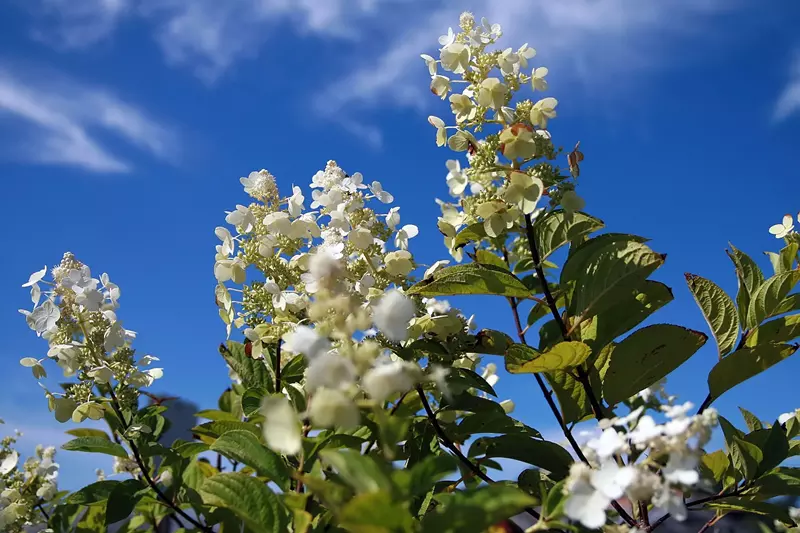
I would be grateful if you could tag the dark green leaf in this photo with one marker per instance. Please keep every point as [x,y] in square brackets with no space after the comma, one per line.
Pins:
[247,497]
[631,308]
[96,492]
[718,310]
[190,449]
[375,512]
[645,357]
[244,447]
[745,363]
[476,510]
[557,228]
[214,414]
[729,430]
[775,449]
[749,277]
[472,278]
[544,454]
[216,429]
[492,342]
[88,432]
[619,265]
[122,500]
[251,400]
[252,372]
[95,445]
[461,379]
[745,457]
[428,471]
[361,472]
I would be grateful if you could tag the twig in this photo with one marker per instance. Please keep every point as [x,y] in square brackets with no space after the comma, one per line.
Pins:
[138,458]
[582,376]
[278,387]
[713,520]
[450,445]
[699,501]
[41,508]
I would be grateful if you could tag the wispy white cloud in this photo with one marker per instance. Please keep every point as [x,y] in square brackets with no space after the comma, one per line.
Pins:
[788,102]
[66,122]
[592,40]
[78,23]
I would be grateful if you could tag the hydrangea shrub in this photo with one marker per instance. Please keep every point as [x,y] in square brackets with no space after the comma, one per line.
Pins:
[362,401]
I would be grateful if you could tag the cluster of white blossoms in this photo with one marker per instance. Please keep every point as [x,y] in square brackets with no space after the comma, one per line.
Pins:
[328,283]
[668,455]
[78,318]
[503,180]
[25,487]
[785,228]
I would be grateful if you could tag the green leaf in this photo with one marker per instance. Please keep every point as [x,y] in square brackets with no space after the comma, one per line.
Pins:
[544,454]
[714,465]
[424,475]
[783,481]
[766,302]
[557,228]
[122,500]
[216,429]
[472,278]
[646,356]
[461,379]
[630,308]
[485,257]
[95,445]
[472,233]
[244,447]
[718,310]
[93,493]
[745,457]
[362,472]
[93,520]
[745,505]
[476,510]
[595,272]
[745,363]
[492,342]
[247,497]
[88,432]
[775,449]
[215,415]
[252,372]
[251,400]
[190,449]
[784,261]
[562,356]
[752,421]
[783,329]
[749,277]
[729,431]
[375,512]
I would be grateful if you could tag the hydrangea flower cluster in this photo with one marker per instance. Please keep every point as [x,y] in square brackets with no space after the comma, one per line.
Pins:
[25,487]
[663,462]
[328,283]
[78,318]
[503,181]
[785,228]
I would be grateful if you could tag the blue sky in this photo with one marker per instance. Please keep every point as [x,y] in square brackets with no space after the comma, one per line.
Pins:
[125,125]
